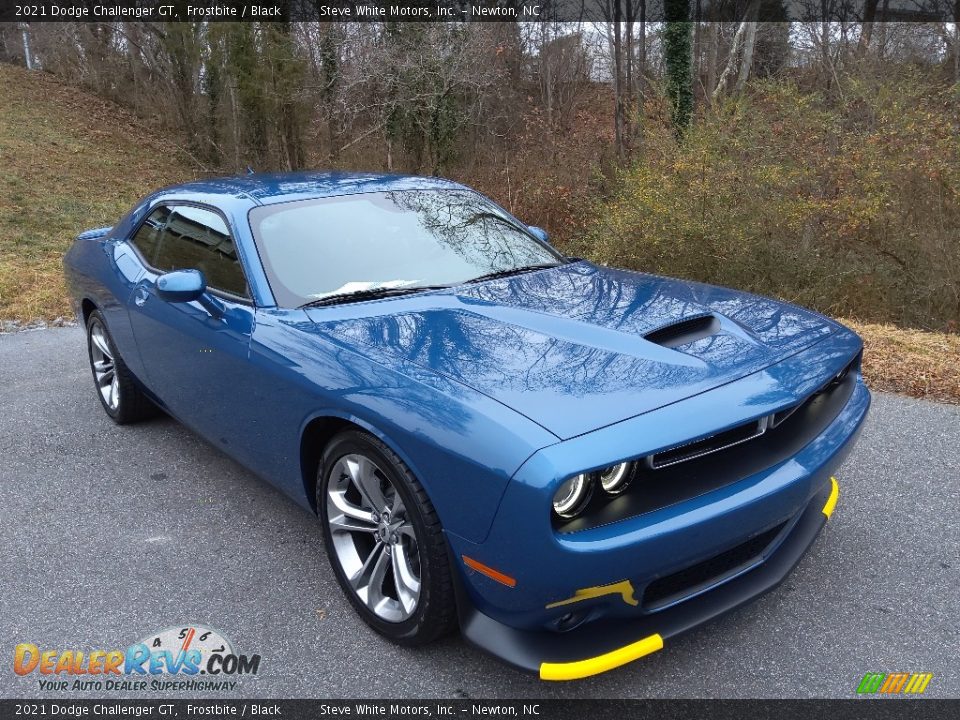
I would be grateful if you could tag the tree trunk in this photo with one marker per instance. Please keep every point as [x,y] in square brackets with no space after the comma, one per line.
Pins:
[956,52]
[676,54]
[731,62]
[713,52]
[695,62]
[546,72]
[642,51]
[746,62]
[618,81]
[747,27]
[956,41]
[866,28]
[825,42]
[629,69]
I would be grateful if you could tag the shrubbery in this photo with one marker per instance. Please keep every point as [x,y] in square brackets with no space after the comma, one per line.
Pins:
[848,202]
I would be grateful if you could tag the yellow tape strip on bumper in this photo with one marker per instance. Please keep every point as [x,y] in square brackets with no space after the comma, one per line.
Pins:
[832,500]
[601,663]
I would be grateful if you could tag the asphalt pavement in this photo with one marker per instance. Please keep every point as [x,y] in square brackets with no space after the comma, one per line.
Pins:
[110,534]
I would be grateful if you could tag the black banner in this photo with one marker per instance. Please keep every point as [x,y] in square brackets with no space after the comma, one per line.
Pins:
[472,11]
[888,709]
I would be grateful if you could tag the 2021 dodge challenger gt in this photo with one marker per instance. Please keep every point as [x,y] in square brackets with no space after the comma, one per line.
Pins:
[574,463]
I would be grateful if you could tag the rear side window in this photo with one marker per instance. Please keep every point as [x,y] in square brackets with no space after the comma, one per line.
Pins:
[199,239]
[147,238]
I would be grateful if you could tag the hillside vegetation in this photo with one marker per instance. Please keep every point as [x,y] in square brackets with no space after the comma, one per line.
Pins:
[68,161]
[71,161]
[847,202]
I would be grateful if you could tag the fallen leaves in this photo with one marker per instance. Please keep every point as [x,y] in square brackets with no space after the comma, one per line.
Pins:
[910,362]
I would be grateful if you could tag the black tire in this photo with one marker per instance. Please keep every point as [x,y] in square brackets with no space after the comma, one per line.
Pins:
[435,612]
[132,405]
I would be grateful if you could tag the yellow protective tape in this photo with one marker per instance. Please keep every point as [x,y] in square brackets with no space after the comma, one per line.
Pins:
[601,663]
[832,500]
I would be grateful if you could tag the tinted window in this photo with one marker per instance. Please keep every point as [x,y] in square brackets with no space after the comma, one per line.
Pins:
[398,239]
[147,238]
[197,238]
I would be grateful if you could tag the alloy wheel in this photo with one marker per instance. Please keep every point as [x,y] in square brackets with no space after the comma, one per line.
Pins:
[374,540]
[104,366]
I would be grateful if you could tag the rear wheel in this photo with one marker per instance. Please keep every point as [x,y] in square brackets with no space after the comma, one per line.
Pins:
[119,393]
[384,540]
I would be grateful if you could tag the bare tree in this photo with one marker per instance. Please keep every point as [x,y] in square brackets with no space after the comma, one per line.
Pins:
[746,29]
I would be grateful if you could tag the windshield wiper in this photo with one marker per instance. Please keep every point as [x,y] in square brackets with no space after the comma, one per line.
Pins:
[512,271]
[370,294]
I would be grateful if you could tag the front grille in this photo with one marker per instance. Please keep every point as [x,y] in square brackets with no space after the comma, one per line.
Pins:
[686,471]
[688,581]
[725,439]
[740,433]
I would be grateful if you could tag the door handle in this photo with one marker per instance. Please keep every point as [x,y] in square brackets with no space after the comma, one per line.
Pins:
[140,296]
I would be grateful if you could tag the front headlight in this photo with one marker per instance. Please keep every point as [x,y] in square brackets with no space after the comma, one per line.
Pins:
[615,479]
[572,496]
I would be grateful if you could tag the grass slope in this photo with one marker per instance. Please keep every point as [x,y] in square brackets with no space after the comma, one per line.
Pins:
[68,161]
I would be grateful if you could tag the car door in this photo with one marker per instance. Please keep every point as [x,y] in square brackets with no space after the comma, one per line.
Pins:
[194,354]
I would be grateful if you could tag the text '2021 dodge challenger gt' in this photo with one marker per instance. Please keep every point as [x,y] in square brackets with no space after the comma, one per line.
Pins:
[574,463]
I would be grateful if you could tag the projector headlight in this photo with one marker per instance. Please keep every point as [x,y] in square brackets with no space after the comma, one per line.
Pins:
[615,479]
[572,496]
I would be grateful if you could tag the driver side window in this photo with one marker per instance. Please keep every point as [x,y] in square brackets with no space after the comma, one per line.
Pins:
[196,238]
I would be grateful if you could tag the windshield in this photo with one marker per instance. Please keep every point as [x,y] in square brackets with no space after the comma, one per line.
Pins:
[314,249]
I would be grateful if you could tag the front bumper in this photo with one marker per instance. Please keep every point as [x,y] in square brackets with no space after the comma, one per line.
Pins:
[579,595]
[599,646]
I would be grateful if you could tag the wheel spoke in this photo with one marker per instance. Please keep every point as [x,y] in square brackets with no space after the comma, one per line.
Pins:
[406,583]
[344,523]
[375,596]
[114,392]
[363,474]
[101,342]
[397,508]
[406,530]
[105,377]
[339,500]
[361,578]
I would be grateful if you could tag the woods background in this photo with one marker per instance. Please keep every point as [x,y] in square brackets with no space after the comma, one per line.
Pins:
[817,162]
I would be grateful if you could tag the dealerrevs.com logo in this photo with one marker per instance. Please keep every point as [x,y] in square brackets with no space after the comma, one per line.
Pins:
[189,658]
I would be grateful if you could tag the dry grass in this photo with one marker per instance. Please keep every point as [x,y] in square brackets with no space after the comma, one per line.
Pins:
[911,362]
[68,161]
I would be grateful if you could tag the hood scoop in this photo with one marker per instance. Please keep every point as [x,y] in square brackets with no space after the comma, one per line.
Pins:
[685,332]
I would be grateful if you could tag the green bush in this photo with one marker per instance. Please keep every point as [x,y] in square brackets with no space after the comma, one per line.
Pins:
[848,203]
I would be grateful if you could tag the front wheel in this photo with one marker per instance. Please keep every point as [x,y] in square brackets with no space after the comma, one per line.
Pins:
[384,540]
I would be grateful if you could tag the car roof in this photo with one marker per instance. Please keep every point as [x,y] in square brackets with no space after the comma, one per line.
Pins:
[269,188]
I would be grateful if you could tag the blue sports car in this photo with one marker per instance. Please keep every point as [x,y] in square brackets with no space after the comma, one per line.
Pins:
[573,463]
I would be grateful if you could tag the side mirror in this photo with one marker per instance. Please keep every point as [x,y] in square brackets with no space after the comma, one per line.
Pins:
[539,233]
[181,286]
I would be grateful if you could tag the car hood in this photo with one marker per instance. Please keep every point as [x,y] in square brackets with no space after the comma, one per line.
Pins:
[579,347]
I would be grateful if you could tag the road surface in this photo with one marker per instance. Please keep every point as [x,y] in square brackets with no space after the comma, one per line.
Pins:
[112,533]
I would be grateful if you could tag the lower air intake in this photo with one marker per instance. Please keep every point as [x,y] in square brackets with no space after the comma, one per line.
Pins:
[688,581]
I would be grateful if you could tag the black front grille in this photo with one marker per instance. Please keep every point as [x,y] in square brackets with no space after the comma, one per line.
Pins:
[673,587]
[740,433]
[722,458]
[733,436]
